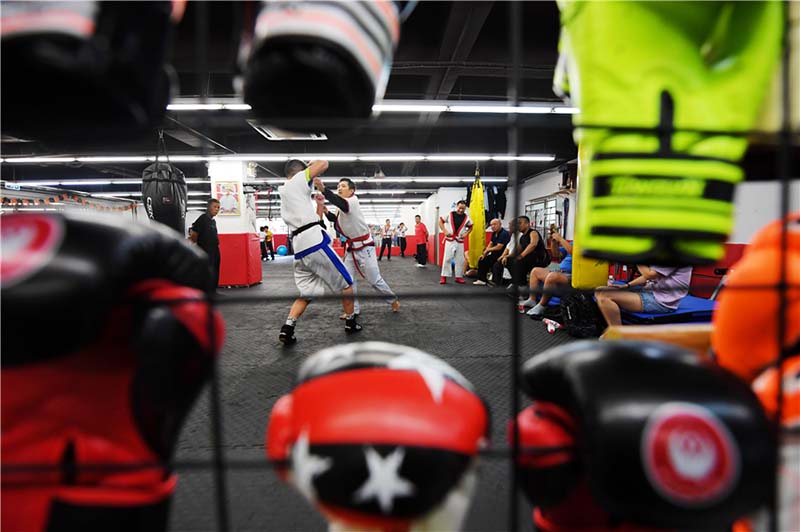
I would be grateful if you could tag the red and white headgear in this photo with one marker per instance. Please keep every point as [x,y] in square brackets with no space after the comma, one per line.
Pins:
[379,435]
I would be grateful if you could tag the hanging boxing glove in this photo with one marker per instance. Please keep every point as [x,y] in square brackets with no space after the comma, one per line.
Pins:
[319,59]
[107,344]
[664,197]
[641,433]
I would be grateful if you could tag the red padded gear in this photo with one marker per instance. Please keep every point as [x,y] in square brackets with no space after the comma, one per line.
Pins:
[83,402]
[280,436]
[382,418]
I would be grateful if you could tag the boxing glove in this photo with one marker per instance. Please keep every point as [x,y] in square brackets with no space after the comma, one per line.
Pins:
[106,345]
[362,408]
[697,71]
[318,59]
[660,439]
[85,70]
[745,333]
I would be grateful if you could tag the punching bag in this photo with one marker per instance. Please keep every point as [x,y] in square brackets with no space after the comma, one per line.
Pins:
[164,195]
[477,238]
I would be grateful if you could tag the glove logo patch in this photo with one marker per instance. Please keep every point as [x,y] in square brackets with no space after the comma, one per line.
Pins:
[689,455]
[28,243]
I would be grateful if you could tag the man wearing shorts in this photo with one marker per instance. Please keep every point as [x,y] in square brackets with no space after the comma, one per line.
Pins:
[658,290]
[316,265]
[563,277]
[360,246]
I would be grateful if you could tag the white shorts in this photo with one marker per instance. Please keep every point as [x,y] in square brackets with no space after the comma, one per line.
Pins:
[320,269]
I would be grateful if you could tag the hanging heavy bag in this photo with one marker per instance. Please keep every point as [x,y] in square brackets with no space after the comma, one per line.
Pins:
[164,195]
[84,71]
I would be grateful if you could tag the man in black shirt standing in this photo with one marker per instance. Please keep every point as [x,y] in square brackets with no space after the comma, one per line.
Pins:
[204,233]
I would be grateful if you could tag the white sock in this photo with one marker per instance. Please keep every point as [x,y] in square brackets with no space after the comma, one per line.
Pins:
[528,303]
[537,310]
[291,321]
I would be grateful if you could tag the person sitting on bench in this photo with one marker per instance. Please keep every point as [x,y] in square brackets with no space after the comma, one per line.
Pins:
[657,291]
[563,277]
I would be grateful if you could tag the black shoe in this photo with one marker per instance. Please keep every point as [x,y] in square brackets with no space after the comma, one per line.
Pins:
[287,334]
[350,326]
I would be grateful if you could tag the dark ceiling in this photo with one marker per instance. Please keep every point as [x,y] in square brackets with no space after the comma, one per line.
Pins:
[447,51]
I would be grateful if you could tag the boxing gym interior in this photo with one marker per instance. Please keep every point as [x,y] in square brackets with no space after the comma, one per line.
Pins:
[400,266]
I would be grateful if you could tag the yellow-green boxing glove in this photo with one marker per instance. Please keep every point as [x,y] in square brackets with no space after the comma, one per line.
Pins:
[664,198]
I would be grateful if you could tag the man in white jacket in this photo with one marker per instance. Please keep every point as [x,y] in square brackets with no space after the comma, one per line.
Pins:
[456,226]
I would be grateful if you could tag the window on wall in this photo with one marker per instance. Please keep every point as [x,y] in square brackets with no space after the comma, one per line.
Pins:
[543,212]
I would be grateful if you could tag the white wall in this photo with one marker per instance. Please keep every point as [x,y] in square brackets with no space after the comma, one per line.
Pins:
[545,184]
[757,204]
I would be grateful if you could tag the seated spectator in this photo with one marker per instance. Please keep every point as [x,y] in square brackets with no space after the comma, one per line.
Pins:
[563,277]
[500,238]
[523,258]
[659,290]
[504,273]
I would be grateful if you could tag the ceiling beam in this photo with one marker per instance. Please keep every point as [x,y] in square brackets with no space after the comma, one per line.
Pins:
[463,27]
[463,68]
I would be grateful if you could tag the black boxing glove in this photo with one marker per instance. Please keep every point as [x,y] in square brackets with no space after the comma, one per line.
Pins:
[113,396]
[319,59]
[84,70]
[75,269]
[663,439]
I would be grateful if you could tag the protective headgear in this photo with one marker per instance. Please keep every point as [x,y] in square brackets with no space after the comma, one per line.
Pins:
[319,59]
[381,436]
[745,333]
[690,68]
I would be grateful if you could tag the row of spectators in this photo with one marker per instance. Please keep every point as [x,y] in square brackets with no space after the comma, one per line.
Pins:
[526,260]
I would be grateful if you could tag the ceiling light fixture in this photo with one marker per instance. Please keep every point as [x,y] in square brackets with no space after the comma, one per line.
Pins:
[258,157]
[399,106]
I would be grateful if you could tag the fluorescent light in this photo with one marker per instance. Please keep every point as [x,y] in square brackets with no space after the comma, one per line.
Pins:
[197,181]
[126,181]
[392,157]
[192,193]
[118,159]
[37,183]
[457,157]
[408,108]
[43,160]
[196,202]
[258,157]
[275,157]
[504,109]
[396,106]
[533,158]
[195,107]
[190,158]
[86,182]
